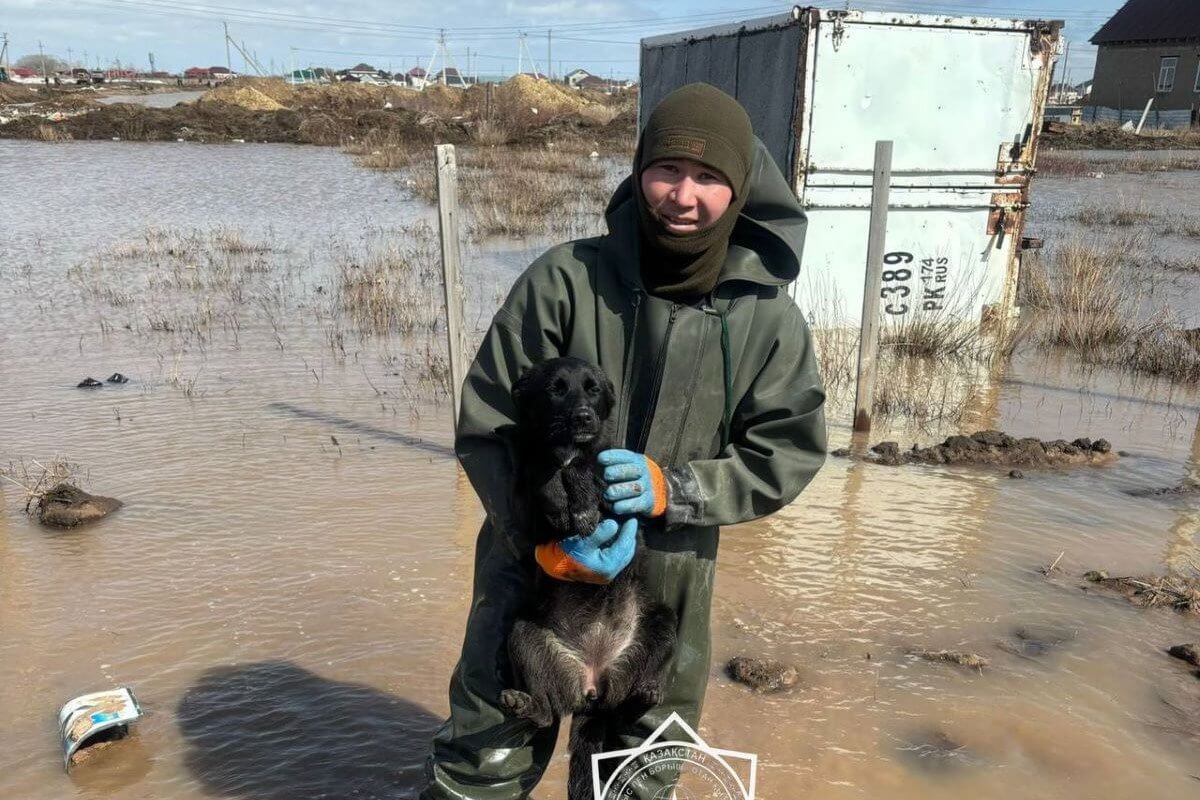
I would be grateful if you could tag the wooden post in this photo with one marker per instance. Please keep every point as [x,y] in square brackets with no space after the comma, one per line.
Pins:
[868,342]
[447,192]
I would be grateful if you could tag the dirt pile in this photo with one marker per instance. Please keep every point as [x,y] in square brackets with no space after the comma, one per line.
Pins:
[66,506]
[1177,592]
[224,122]
[522,91]
[996,448]
[763,675]
[245,97]
[15,93]
[1060,136]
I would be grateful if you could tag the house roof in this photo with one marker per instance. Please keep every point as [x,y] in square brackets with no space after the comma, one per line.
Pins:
[363,68]
[1151,20]
[417,72]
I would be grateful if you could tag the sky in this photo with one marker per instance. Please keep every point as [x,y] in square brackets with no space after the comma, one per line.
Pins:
[597,35]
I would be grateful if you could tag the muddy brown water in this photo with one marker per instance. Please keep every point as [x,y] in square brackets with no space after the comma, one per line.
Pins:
[288,609]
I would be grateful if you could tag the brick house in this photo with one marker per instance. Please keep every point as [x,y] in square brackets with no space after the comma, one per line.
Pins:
[1149,49]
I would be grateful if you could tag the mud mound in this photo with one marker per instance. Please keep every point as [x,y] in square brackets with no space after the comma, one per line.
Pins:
[995,448]
[763,675]
[1060,136]
[1179,593]
[14,93]
[66,506]
[340,98]
[245,97]
[195,122]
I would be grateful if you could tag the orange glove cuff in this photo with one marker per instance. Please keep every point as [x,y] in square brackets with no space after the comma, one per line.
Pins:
[557,564]
[658,482]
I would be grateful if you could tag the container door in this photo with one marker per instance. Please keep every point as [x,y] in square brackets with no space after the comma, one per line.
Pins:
[960,99]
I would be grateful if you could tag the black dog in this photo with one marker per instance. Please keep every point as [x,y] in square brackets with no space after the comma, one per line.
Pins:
[593,651]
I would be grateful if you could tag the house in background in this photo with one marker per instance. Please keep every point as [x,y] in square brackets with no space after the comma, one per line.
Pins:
[416,78]
[206,75]
[1149,49]
[575,76]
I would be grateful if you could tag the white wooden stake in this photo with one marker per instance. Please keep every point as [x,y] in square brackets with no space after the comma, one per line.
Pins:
[447,190]
[868,343]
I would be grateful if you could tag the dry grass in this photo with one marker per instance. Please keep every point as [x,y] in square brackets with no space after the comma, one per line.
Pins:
[35,479]
[393,286]
[1089,300]
[1106,216]
[1181,593]
[1069,166]
[1086,297]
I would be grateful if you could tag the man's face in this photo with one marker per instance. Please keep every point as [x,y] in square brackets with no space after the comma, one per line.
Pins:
[685,195]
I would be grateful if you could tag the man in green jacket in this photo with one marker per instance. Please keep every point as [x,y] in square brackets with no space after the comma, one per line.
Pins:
[683,303]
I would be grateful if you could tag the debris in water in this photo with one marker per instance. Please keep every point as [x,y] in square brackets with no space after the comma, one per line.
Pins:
[1035,641]
[1016,473]
[1185,488]
[1188,652]
[936,752]
[93,719]
[841,452]
[88,383]
[1182,594]
[763,675]
[117,377]
[996,448]
[66,506]
[970,660]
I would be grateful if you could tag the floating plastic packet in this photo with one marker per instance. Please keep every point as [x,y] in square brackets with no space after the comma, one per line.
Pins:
[83,717]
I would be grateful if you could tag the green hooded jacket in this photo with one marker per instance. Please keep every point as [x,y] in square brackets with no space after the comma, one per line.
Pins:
[730,400]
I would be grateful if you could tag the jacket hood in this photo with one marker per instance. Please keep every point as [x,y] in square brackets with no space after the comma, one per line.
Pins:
[768,239]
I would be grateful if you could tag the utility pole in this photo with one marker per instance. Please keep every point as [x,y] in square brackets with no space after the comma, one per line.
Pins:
[549,63]
[4,50]
[45,77]
[152,63]
[520,51]
[228,57]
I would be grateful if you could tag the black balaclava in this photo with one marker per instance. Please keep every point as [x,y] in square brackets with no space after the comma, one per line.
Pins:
[702,123]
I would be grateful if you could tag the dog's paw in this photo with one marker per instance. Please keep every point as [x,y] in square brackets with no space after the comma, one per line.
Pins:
[515,702]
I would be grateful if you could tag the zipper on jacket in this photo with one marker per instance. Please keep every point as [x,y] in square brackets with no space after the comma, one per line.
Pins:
[626,390]
[693,383]
[659,368]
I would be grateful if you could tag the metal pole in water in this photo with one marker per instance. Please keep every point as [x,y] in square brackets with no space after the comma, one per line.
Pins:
[868,342]
[447,192]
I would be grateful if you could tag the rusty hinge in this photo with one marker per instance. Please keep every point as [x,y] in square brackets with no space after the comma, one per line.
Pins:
[839,27]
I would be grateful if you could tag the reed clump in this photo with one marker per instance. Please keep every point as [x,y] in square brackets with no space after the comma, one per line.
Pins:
[1087,300]
[393,286]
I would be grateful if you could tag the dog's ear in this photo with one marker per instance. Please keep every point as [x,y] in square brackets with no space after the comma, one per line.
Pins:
[521,389]
[610,394]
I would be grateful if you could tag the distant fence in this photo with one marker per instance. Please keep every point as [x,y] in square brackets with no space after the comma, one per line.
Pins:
[1174,119]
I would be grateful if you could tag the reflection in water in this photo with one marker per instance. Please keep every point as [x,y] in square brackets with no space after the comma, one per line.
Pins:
[274,731]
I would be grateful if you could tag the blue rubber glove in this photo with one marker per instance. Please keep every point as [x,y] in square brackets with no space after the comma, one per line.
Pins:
[596,558]
[635,483]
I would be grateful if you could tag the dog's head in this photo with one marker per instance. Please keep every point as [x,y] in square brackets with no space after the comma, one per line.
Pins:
[564,401]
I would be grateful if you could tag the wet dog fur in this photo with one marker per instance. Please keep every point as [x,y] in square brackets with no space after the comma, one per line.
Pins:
[593,651]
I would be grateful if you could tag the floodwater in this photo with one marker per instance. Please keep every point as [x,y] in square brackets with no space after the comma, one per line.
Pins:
[286,587]
[153,100]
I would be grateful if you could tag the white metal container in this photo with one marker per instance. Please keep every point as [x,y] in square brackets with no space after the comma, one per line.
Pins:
[961,97]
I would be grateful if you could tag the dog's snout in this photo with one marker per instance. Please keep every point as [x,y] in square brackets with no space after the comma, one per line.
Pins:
[584,414]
